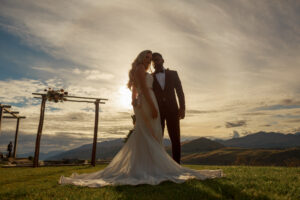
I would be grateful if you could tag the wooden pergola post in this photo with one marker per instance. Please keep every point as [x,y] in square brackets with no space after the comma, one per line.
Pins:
[39,132]
[16,138]
[5,109]
[93,160]
[1,112]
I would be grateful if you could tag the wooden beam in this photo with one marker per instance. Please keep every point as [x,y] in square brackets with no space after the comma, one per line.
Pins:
[76,100]
[16,138]
[13,117]
[93,161]
[39,132]
[84,101]
[100,99]
[5,109]
[15,112]
[9,117]
[67,96]
[38,93]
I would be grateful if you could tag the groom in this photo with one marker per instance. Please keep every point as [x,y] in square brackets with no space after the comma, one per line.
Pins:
[164,85]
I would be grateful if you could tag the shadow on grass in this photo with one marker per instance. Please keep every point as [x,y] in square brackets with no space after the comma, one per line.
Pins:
[192,189]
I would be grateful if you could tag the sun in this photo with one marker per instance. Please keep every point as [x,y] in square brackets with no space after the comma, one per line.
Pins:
[125,97]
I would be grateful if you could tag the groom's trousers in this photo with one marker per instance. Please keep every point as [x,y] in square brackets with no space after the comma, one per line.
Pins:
[173,127]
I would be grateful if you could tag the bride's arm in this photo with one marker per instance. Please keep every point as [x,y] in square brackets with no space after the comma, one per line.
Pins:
[141,77]
[133,95]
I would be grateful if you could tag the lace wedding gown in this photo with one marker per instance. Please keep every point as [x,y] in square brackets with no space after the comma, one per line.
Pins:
[142,159]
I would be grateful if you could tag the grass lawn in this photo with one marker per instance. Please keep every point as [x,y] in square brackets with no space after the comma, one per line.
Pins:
[241,182]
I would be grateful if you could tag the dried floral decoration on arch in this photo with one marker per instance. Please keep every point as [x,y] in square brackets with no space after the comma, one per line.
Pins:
[56,95]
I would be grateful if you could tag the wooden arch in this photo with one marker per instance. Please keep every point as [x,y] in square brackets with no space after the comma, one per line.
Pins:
[43,97]
[5,109]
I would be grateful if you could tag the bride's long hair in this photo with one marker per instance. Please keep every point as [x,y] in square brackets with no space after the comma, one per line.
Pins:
[137,61]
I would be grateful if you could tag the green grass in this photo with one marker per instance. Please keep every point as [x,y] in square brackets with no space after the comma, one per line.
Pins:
[241,182]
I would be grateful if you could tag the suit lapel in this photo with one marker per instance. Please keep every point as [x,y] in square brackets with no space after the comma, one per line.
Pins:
[166,78]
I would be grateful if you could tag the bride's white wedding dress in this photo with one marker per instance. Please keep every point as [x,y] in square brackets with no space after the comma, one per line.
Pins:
[142,159]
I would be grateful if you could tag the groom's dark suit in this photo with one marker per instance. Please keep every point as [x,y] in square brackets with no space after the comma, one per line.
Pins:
[168,107]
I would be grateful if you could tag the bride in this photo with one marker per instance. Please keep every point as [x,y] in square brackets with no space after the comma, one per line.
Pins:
[142,159]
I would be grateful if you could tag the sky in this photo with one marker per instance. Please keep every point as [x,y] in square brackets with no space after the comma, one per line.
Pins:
[238,62]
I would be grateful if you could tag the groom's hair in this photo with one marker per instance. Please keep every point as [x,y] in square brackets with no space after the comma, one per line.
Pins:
[156,54]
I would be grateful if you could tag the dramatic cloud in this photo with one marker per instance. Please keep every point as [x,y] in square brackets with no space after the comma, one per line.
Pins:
[235,134]
[267,125]
[19,91]
[236,60]
[93,74]
[236,124]
[293,121]
[278,107]
[291,102]
[255,113]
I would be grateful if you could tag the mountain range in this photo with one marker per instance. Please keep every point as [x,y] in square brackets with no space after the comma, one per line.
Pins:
[266,140]
[198,145]
[105,151]
[239,156]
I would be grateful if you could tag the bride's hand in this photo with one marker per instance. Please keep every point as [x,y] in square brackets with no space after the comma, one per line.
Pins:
[136,103]
[154,113]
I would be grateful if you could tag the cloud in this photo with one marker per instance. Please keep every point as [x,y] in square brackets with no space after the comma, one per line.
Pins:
[280,105]
[230,55]
[200,111]
[255,113]
[45,69]
[297,129]
[93,74]
[277,107]
[293,121]
[287,116]
[75,116]
[235,134]
[236,123]
[290,102]
[20,91]
[267,125]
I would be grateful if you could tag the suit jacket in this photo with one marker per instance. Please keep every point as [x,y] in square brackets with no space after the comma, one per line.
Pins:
[166,98]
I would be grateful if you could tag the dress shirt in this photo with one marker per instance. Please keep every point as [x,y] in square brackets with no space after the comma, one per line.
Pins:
[161,77]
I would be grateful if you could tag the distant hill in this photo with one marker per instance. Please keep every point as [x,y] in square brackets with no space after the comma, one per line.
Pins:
[42,156]
[260,148]
[105,150]
[239,156]
[264,140]
[198,145]
[297,133]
